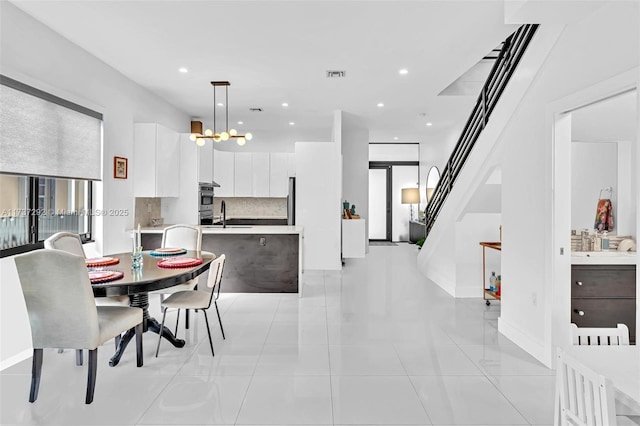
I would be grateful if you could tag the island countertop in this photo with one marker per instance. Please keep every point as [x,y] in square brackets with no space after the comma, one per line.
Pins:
[603,258]
[234,229]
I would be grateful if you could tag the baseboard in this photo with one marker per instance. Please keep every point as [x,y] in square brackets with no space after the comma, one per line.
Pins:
[523,340]
[464,292]
[442,281]
[9,362]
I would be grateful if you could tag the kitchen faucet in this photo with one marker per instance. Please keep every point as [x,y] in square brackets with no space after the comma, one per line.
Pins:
[223,209]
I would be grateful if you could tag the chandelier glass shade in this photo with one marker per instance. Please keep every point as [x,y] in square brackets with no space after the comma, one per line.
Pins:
[199,136]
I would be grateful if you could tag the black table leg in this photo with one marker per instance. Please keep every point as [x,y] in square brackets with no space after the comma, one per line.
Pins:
[148,323]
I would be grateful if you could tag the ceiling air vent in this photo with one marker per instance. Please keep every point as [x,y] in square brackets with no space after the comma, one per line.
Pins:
[336,74]
[255,109]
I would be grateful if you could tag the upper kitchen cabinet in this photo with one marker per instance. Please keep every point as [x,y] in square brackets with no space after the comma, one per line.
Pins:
[224,173]
[205,162]
[260,174]
[243,174]
[156,161]
[279,174]
[291,164]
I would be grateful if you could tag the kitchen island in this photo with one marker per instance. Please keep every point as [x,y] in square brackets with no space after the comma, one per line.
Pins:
[260,259]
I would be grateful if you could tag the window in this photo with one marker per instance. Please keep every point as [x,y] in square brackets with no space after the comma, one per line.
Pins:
[45,181]
[34,208]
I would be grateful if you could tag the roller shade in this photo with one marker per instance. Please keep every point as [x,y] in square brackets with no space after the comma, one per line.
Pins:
[43,135]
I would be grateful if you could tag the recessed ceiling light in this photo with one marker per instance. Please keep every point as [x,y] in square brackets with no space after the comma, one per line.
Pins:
[240,122]
[403,71]
[284,104]
[380,104]
[220,104]
[183,70]
[429,124]
[395,138]
[291,123]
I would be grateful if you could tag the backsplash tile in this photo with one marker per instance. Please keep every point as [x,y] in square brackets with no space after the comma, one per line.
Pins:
[146,209]
[252,207]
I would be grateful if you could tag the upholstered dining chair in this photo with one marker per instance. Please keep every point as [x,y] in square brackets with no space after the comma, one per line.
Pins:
[198,299]
[71,243]
[186,237]
[63,314]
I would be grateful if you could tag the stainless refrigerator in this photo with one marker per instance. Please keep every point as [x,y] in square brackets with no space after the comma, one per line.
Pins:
[291,202]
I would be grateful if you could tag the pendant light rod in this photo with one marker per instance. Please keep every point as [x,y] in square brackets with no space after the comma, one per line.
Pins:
[199,138]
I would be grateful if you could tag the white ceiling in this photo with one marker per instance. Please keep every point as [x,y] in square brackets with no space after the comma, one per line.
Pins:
[278,51]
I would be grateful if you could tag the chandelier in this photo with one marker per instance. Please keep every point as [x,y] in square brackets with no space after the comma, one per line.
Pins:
[199,136]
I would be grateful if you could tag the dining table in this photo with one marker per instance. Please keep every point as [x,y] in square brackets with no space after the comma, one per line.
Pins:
[138,282]
[619,364]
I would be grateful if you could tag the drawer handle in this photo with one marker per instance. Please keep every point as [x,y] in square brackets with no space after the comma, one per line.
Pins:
[581,313]
[579,282]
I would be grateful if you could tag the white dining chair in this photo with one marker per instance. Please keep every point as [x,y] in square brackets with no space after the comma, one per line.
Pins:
[186,237]
[595,336]
[63,314]
[583,397]
[198,299]
[71,243]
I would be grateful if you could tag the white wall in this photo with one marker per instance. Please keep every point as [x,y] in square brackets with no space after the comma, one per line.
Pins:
[35,55]
[355,166]
[594,166]
[318,206]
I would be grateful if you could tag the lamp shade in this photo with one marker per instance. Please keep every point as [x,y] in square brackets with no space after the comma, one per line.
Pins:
[410,196]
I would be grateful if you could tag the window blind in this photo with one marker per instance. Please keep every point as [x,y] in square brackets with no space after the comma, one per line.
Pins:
[43,135]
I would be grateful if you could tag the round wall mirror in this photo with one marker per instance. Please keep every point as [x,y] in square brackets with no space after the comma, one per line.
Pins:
[432,181]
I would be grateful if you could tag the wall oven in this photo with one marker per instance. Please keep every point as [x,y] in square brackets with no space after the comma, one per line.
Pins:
[205,200]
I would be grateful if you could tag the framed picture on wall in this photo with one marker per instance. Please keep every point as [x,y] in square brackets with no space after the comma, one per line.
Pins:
[120,167]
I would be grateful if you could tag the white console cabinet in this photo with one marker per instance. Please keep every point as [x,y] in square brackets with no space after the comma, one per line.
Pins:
[353,238]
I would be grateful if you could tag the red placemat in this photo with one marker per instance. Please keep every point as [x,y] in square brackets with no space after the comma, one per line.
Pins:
[179,262]
[102,261]
[104,276]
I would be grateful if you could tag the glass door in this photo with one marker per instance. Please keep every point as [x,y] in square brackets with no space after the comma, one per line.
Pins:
[380,203]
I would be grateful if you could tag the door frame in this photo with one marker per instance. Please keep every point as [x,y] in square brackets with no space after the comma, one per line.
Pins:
[377,165]
[388,165]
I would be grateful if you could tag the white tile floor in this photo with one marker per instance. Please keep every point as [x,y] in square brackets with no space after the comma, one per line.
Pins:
[374,344]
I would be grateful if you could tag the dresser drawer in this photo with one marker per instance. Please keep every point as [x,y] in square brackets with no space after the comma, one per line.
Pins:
[603,281]
[604,313]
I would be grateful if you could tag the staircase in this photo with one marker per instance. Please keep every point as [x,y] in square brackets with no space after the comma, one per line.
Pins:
[505,65]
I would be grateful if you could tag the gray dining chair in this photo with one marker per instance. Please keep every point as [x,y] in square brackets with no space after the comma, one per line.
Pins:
[63,314]
[186,237]
[198,299]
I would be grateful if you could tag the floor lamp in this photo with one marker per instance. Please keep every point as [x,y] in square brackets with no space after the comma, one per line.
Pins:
[411,196]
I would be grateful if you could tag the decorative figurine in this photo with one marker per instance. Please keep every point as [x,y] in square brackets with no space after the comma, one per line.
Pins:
[353,209]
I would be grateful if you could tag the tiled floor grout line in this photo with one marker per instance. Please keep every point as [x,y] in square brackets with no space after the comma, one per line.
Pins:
[255,367]
[486,375]
[326,317]
[412,384]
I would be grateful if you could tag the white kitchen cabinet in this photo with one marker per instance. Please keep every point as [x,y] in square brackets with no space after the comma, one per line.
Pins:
[243,174]
[291,164]
[279,174]
[260,173]
[156,161]
[205,161]
[223,173]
